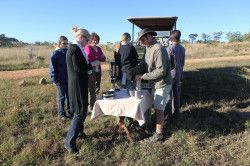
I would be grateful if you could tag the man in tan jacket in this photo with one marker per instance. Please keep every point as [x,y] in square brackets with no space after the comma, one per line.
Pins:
[158,64]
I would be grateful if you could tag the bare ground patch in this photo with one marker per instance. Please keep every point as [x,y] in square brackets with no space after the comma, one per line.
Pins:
[44,71]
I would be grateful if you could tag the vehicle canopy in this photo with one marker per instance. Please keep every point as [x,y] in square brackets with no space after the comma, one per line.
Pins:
[162,25]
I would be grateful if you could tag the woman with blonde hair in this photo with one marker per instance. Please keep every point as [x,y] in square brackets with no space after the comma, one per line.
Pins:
[126,58]
[78,72]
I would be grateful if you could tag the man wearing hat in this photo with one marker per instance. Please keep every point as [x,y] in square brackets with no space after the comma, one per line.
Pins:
[158,74]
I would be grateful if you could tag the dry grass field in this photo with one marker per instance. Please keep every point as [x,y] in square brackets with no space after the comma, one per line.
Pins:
[16,58]
[213,127]
[202,50]
[28,57]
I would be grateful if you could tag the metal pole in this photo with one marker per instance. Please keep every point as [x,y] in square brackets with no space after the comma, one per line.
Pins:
[133,26]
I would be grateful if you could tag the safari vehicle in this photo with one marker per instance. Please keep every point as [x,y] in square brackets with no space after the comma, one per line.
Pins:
[162,25]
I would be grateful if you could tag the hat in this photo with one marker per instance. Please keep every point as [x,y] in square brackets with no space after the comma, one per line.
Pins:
[144,32]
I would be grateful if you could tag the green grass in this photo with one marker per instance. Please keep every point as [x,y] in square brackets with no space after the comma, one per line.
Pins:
[26,65]
[213,127]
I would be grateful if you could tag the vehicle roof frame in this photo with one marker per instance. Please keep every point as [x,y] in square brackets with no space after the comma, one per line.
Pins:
[153,23]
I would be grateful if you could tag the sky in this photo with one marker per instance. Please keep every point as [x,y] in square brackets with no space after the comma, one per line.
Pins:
[45,20]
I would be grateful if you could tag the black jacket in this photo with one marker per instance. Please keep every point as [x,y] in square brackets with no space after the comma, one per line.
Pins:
[77,68]
[139,68]
[128,57]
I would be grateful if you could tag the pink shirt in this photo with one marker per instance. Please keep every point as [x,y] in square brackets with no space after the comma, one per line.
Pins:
[94,54]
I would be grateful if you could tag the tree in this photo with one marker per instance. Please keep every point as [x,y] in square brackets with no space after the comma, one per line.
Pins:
[217,36]
[205,37]
[46,43]
[38,43]
[192,37]
[246,37]
[234,36]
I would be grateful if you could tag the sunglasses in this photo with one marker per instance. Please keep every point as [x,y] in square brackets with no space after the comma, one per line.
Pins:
[64,43]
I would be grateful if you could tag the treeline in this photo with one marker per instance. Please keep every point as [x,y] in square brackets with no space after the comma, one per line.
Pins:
[8,41]
[13,42]
[194,37]
[217,36]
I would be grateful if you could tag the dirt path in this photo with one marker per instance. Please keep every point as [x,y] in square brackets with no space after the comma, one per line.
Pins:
[44,71]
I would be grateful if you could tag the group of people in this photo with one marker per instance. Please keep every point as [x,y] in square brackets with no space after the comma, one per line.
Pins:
[75,69]
[161,67]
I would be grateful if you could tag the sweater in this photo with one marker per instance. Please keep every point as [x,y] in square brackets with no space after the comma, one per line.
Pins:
[58,66]
[158,65]
[177,53]
[128,57]
[94,56]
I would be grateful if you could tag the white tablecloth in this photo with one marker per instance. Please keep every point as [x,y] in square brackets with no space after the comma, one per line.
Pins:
[124,105]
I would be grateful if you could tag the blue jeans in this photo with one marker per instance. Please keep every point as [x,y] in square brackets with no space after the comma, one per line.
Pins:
[173,106]
[176,98]
[76,128]
[62,92]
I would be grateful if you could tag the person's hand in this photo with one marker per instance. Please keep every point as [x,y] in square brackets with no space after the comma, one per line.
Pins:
[138,77]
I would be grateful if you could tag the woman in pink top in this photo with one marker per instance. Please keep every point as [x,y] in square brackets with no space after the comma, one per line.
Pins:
[95,57]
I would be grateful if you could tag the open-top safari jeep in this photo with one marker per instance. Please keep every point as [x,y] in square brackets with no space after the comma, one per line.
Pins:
[162,25]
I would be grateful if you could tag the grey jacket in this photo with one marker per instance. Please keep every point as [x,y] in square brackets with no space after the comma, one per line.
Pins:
[177,52]
[158,64]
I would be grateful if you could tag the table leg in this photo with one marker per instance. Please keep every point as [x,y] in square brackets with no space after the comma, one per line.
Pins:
[121,125]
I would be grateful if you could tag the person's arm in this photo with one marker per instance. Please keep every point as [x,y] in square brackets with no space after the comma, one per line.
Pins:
[101,56]
[171,57]
[54,61]
[184,56]
[89,52]
[160,66]
[51,71]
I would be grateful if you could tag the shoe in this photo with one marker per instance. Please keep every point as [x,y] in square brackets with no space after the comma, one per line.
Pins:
[82,136]
[63,118]
[71,150]
[69,115]
[153,139]
[90,109]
